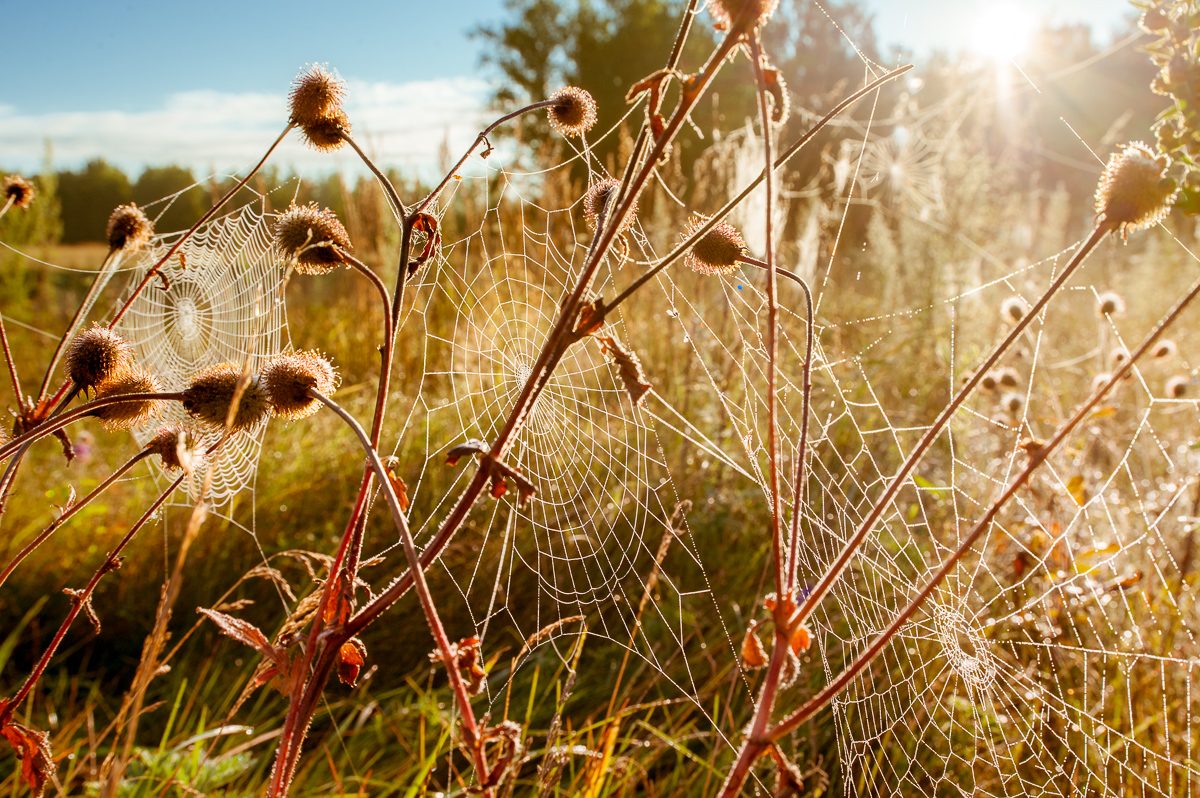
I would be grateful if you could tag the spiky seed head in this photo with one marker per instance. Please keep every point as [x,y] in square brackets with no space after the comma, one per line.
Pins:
[1164,349]
[19,190]
[1013,309]
[1008,377]
[1154,21]
[127,415]
[1118,356]
[287,379]
[1110,303]
[1178,386]
[128,228]
[326,135]
[173,445]
[305,232]
[573,112]
[717,252]
[95,356]
[210,393]
[745,14]
[1134,192]
[598,199]
[1012,403]
[316,95]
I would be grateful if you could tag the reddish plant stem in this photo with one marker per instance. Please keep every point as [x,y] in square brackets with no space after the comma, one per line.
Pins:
[58,422]
[69,512]
[12,366]
[79,601]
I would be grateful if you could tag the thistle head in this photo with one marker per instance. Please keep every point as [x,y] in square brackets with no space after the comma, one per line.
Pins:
[128,228]
[1099,381]
[1164,350]
[1178,386]
[1134,191]
[288,378]
[1110,303]
[716,252]
[173,445]
[134,413]
[19,190]
[573,112]
[328,134]
[314,236]
[1013,309]
[599,199]
[316,95]
[211,392]
[743,14]
[95,356]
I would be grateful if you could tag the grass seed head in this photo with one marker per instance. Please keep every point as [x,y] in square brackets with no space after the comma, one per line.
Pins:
[1013,309]
[126,415]
[573,112]
[95,356]
[718,251]
[287,379]
[1134,191]
[210,393]
[316,95]
[1178,386]
[1164,349]
[19,190]
[747,14]
[304,232]
[1110,303]
[128,228]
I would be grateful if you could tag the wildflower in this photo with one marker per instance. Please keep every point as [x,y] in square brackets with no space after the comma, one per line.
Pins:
[598,200]
[128,228]
[134,413]
[1014,309]
[718,251]
[747,14]
[573,112]
[1178,386]
[211,393]
[1164,350]
[19,190]
[1110,303]
[316,96]
[95,356]
[1134,192]
[287,379]
[313,236]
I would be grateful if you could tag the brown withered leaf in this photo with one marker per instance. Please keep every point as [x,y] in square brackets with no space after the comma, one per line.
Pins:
[469,449]
[33,749]
[468,660]
[341,604]
[499,487]
[67,449]
[801,638]
[778,90]
[390,465]
[590,319]
[753,654]
[629,369]
[245,632]
[351,657]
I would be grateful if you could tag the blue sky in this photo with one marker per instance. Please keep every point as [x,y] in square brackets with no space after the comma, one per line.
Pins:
[204,83]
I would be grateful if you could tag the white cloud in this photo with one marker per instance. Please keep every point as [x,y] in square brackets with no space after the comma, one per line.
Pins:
[403,125]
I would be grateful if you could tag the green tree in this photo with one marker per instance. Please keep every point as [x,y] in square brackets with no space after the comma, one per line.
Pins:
[88,198]
[171,196]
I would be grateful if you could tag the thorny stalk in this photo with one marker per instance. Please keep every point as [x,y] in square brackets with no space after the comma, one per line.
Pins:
[52,425]
[12,367]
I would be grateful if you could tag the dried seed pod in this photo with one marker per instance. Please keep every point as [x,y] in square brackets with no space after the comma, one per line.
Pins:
[19,190]
[1178,386]
[1164,349]
[316,95]
[1012,403]
[211,393]
[1013,309]
[597,200]
[173,446]
[1134,192]
[287,379]
[126,415]
[744,14]
[314,236]
[94,356]
[718,251]
[1110,303]
[128,228]
[327,135]
[573,112]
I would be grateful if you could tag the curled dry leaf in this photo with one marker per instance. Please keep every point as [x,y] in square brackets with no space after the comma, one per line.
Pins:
[351,657]
[390,464]
[629,369]
[469,661]
[33,749]
[468,449]
[753,654]
[245,632]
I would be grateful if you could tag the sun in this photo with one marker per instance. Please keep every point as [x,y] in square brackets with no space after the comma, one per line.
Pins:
[1002,30]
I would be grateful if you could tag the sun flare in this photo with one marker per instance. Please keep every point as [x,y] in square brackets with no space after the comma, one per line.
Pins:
[1002,30]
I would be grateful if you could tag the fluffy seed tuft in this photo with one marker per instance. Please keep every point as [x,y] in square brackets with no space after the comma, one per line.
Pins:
[1110,303]
[95,356]
[1134,192]
[573,112]
[128,228]
[717,252]
[19,190]
[316,95]
[127,415]
[1178,386]
[306,233]
[210,393]
[287,379]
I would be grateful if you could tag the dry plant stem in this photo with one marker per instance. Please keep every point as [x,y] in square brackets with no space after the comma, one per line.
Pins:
[787,155]
[58,422]
[78,602]
[834,571]
[110,261]
[12,366]
[800,489]
[69,512]
[782,556]
[7,204]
